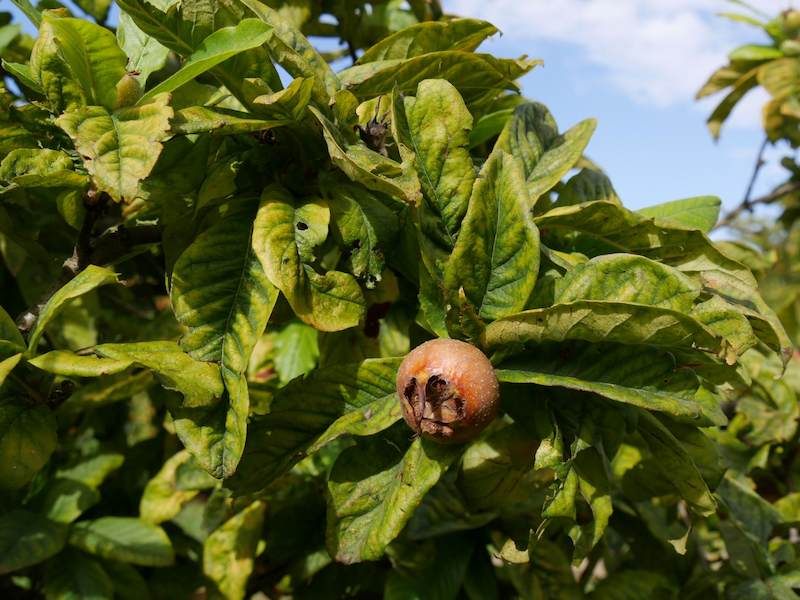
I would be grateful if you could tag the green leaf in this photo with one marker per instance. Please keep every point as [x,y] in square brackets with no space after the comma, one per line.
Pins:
[789,508]
[441,578]
[125,539]
[161,499]
[73,490]
[11,339]
[496,256]
[605,227]
[741,86]
[211,427]
[602,227]
[628,278]
[722,78]
[493,469]
[293,52]
[30,11]
[748,509]
[62,362]
[216,48]
[89,52]
[97,8]
[676,465]
[355,399]
[221,294]
[700,213]
[215,434]
[723,319]
[65,500]
[374,488]
[92,470]
[27,439]
[365,227]
[199,119]
[128,583]
[438,132]
[489,126]
[595,488]
[632,584]
[755,52]
[431,36]
[106,390]
[27,539]
[638,375]
[230,550]
[119,148]
[289,104]
[90,278]
[39,167]
[602,321]
[75,576]
[531,136]
[145,54]
[329,302]
[365,166]
[756,589]
[7,365]
[587,185]
[24,74]
[183,27]
[478,77]
[296,350]
[198,381]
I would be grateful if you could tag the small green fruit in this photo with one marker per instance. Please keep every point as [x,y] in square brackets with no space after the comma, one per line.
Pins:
[129,90]
[791,21]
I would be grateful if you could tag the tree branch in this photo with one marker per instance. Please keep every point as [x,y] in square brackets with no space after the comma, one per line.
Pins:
[777,194]
[90,249]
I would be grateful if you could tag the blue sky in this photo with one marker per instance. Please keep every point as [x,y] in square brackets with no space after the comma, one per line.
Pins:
[635,65]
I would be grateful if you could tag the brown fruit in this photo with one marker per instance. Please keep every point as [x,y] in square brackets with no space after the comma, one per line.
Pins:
[448,391]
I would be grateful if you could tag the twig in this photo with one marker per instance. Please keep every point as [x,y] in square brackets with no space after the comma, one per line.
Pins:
[74,264]
[92,250]
[756,170]
[746,204]
[780,192]
[351,49]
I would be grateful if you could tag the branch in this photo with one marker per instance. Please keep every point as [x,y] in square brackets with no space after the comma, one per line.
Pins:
[89,249]
[94,204]
[783,190]
[351,50]
[746,204]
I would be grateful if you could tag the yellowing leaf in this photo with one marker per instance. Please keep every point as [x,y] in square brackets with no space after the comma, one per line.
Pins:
[329,302]
[119,149]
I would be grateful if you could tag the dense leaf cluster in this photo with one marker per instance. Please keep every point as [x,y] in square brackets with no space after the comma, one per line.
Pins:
[210,275]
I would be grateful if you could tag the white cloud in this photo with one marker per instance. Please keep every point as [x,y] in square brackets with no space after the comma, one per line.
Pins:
[657,52]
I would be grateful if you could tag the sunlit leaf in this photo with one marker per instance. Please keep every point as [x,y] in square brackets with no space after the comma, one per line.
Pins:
[119,148]
[126,539]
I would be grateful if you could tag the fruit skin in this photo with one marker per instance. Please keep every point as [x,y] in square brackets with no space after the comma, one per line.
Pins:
[129,90]
[791,20]
[448,391]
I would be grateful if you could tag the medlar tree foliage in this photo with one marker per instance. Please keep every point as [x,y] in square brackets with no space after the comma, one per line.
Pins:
[211,274]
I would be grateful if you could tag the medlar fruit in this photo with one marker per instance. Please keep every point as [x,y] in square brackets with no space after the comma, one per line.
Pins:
[448,390]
